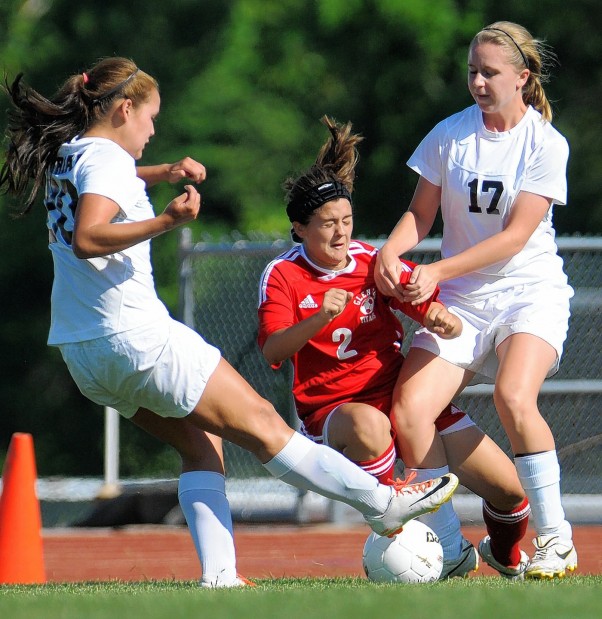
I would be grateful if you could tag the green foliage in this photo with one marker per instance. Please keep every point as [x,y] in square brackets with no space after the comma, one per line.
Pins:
[243,84]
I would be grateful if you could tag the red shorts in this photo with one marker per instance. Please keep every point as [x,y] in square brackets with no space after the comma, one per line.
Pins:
[451,419]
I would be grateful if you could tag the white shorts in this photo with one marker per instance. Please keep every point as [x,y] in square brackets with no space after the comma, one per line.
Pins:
[163,367]
[541,310]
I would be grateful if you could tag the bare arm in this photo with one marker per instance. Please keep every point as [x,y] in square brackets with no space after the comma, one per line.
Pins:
[94,234]
[185,169]
[284,343]
[413,226]
[527,212]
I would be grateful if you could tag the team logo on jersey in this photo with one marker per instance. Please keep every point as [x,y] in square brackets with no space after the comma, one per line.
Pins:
[308,303]
[366,301]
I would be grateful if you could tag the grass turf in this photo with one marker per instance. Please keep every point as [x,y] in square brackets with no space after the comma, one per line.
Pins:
[306,598]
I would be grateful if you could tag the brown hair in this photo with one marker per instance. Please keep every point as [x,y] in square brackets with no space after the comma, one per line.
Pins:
[334,168]
[37,126]
[523,51]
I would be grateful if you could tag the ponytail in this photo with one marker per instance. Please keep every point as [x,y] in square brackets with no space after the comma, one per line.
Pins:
[330,178]
[37,126]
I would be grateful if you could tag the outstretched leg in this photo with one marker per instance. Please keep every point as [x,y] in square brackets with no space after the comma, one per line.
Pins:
[229,407]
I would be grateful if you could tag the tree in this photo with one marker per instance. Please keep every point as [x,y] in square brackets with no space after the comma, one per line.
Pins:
[243,85]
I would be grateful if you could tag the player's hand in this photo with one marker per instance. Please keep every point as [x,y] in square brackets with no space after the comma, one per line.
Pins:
[186,168]
[185,207]
[335,301]
[422,284]
[441,321]
[387,273]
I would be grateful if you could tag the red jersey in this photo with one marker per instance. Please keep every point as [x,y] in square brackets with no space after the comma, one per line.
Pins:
[359,352]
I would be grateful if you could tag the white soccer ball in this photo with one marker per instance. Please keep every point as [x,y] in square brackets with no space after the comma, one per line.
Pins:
[412,556]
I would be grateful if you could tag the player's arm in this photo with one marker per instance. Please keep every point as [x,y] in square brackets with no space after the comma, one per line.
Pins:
[527,213]
[95,234]
[431,313]
[442,322]
[284,343]
[413,226]
[185,169]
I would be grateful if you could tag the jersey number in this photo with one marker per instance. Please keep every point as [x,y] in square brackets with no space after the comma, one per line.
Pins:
[345,335]
[487,186]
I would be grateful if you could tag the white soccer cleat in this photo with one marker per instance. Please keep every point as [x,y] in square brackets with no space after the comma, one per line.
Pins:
[409,501]
[467,562]
[511,572]
[239,581]
[553,558]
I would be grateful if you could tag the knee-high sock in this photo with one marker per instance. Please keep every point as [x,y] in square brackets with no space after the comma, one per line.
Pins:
[539,475]
[307,465]
[202,496]
[506,529]
[382,467]
[444,522]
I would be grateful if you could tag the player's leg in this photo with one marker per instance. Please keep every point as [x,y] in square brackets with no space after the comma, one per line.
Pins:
[362,433]
[229,407]
[201,493]
[425,386]
[525,360]
[486,470]
[416,406]
[460,556]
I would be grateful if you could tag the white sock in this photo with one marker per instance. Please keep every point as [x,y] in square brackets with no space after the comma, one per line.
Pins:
[539,475]
[444,522]
[202,496]
[307,465]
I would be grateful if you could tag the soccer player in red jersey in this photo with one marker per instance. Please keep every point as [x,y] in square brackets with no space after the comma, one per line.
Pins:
[320,308]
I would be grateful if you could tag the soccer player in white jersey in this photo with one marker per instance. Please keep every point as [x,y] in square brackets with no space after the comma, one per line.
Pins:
[320,308]
[496,169]
[116,337]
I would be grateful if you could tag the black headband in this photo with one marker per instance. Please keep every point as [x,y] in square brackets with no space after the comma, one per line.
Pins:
[520,51]
[309,200]
[113,90]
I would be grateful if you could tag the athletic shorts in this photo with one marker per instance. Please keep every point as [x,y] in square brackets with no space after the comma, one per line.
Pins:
[542,310]
[163,367]
[315,425]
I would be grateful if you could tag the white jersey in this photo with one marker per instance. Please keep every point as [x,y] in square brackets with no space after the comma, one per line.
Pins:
[481,173]
[103,296]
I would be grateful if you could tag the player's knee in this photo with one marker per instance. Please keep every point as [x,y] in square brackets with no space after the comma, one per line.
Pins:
[371,428]
[269,430]
[407,416]
[514,404]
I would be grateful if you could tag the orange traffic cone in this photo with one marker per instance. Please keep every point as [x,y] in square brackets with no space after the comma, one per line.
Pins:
[21,551]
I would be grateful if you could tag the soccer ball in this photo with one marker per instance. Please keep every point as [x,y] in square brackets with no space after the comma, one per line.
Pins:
[412,556]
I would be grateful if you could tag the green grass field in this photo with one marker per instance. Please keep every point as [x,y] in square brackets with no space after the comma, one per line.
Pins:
[339,598]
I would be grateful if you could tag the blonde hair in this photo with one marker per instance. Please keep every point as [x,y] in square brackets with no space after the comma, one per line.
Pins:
[523,51]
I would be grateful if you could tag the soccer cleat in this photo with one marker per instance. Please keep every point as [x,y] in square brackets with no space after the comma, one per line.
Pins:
[240,581]
[244,582]
[511,572]
[467,562]
[411,500]
[553,557]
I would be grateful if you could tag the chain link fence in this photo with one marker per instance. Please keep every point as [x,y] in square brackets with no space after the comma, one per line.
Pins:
[219,297]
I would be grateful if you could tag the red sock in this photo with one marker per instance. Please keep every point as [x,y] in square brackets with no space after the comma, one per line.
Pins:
[506,529]
[381,467]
